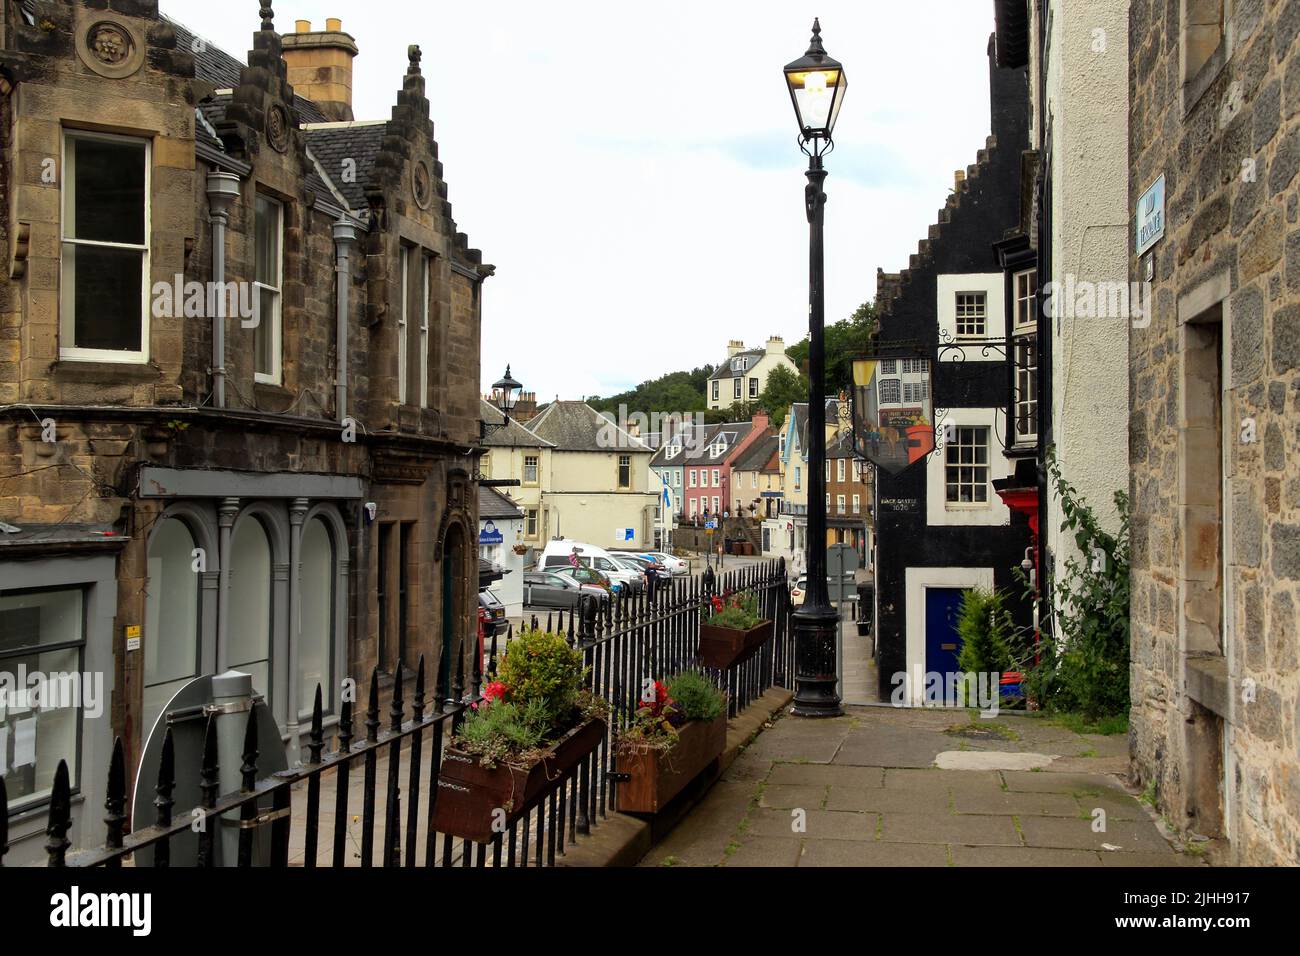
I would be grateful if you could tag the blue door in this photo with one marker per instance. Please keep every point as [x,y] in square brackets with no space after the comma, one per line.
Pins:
[942,606]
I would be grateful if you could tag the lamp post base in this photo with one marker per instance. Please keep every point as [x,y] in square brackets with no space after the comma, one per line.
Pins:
[816,692]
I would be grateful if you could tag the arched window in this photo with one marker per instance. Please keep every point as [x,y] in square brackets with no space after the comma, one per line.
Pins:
[316,647]
[171,635]
[249,632]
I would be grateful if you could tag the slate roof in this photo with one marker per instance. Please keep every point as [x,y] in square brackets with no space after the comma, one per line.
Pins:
[576,426]
[758,456]
[513,435]
[332,144]
[493,504]
[726,371]
[734,432]
[690,442]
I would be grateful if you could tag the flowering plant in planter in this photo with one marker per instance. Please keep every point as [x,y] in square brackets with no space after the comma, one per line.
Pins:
[738,611]
[679,730]
[537,696]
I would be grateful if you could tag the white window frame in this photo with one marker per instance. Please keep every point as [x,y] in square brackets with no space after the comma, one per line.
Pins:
[695,507]
[537,469]
[797,476]
[276,375]
[839,470]
[857,470]
[1023,318]
[893,383]
[677,478]
[839,504]
[405,256]
[857,504]
[715,390]
[753,479]
[426,262]
[624,461]
[971,310]
[753,388]
[691,479]
[717,478]
[957,444]
[67,198]
[716,505]
[530,523]
[735,388]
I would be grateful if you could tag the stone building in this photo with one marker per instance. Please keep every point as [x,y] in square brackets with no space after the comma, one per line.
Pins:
[239,366]
[1214,395]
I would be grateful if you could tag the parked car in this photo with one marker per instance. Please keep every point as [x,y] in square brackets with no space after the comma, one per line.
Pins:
[640,564]
[559,554]
[675,565]
[492,612]
[800,591]
[549,589]
[589,576]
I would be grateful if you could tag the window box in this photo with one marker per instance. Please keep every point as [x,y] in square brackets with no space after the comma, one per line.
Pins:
[725,647]
[656,776]
[469,794]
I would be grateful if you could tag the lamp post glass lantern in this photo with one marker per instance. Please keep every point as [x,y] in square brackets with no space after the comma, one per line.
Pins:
[503,393]
[817,84]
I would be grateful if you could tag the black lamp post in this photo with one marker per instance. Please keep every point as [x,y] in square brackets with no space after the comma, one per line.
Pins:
[817,84]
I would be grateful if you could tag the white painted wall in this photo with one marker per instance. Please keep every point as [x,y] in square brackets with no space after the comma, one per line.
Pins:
[992,285]
[938,512]
[1087,100]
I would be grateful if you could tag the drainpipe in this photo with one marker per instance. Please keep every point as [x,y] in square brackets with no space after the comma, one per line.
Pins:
[297,512]
[226,513]
[344,235]
[223,190]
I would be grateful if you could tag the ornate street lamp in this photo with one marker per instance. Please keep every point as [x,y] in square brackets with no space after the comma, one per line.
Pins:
[503,394]
[817,84]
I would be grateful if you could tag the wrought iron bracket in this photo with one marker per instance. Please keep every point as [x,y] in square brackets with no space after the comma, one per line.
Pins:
[953,348]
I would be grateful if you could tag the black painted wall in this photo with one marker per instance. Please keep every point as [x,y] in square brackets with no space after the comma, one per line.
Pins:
[988,208]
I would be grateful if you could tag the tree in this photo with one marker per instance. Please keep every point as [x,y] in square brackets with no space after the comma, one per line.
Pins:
[845,340]
[783,387]
[674,392]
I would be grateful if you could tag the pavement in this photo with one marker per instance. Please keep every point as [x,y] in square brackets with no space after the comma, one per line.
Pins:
[871,789]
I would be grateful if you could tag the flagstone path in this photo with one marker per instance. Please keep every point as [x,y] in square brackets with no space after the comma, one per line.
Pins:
[864,790]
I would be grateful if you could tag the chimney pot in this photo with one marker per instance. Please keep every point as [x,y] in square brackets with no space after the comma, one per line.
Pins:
[333,25]
[302,26]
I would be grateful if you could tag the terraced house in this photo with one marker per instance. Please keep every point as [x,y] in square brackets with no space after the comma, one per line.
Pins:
[239,362]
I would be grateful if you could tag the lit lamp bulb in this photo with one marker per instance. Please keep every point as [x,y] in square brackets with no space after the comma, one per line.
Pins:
[815,84]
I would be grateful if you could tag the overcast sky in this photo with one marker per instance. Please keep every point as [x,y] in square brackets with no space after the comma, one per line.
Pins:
[632,168]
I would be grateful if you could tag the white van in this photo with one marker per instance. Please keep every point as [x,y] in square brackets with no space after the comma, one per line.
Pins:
[558,552]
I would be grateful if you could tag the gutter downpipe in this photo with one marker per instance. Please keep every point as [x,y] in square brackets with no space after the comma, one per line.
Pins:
[345,233]
[223,190]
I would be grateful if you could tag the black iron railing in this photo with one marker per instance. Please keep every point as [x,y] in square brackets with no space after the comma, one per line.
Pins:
[627,640]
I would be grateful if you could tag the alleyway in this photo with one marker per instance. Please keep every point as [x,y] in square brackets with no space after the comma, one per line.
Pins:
[873,791]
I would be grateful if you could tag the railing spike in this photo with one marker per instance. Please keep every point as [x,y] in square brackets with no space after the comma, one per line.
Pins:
[316,736]
[549,622]
[248,770]
[396,709]
[162,801]
[208,785]
[115,803]
[60,818]
[372,707]
[417,705]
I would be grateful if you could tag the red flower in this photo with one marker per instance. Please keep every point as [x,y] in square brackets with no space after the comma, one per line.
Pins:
[496,690]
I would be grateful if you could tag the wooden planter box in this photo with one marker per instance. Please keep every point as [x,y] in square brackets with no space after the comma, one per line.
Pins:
[656,776]
[468,794]
[723,647]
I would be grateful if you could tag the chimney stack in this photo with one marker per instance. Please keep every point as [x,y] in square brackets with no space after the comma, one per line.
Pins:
[735,346]
[320,66]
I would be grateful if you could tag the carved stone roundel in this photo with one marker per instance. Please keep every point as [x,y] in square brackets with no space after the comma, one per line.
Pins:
[277,128]
[110,49]
[421,184]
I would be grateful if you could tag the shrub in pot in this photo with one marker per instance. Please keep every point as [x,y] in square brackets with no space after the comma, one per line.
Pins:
[534,724]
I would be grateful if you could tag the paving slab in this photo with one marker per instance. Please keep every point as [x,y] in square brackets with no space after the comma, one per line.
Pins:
[1046,782]
[969,830]
[1129,836]
[1007,857]
[990,760]
[965,780]
[828,774]
[1023,804]
[783,797]
[764,851]
[817,824]
[894,801]
[846,853]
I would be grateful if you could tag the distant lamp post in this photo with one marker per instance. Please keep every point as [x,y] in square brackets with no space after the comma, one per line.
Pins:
[817,84]
[504,394]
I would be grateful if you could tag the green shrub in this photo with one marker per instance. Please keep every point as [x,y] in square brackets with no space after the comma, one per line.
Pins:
[501,731]
[1086,668]
[738,611]
[696,696]
[542,668]
[986,631]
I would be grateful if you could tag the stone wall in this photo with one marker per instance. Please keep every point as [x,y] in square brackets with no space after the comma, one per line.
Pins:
[1227,275]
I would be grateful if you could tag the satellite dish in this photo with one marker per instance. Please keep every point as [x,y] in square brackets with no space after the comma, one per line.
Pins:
[230,696]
